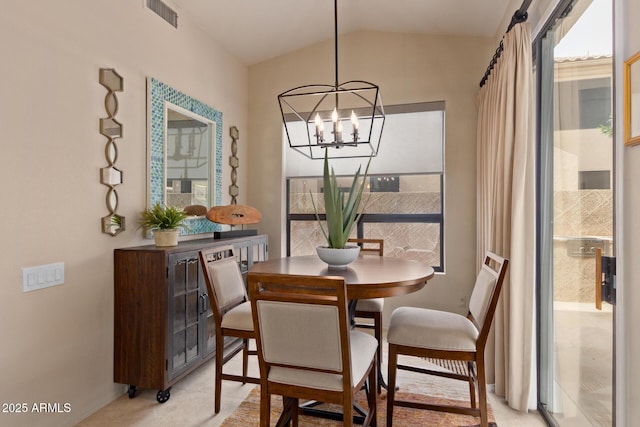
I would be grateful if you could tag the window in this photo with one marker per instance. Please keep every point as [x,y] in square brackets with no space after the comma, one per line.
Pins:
[595,180]
[590,97]
[574,211]
[595,107]
[384,184]
[404,193]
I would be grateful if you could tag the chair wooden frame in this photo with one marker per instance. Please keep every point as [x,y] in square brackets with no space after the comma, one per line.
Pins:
[371,246]
[496,266]
[322,290]
[377,248]
[207,258]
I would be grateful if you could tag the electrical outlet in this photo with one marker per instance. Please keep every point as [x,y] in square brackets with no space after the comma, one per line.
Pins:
[42,276]
[462,302]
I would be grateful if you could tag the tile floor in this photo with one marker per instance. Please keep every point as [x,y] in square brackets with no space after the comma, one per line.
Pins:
[191,403]
[583,351]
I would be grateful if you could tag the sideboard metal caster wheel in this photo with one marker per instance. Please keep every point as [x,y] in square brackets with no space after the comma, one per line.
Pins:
[163,395]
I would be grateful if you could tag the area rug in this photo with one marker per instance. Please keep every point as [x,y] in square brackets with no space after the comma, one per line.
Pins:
[248,413]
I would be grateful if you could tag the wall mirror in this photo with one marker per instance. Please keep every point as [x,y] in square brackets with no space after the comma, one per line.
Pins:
[185,154]
[632,100]
[188,140]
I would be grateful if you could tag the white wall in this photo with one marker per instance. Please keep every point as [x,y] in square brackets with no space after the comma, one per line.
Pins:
[57,343]
[408,68]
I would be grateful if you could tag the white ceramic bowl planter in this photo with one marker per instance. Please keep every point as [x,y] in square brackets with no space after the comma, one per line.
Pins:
[338,258]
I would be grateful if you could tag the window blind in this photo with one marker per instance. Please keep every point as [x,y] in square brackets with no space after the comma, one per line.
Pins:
[412,143]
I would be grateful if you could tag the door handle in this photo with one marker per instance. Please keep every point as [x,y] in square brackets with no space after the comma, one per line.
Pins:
[605,279]
[204,303]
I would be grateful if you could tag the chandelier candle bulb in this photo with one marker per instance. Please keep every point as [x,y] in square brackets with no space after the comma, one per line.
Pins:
[354,123]
[334,119]
[319,129]
[339,134]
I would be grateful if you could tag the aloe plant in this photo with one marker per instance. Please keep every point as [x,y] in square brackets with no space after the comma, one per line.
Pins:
[341,208]
[162,218]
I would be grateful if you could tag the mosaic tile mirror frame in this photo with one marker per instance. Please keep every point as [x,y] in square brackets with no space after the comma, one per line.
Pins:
[160,97]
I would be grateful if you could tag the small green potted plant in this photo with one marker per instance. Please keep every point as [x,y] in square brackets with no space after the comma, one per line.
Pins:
[165,223]
[342,212]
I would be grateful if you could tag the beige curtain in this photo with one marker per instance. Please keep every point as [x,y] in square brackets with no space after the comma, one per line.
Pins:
[506,210]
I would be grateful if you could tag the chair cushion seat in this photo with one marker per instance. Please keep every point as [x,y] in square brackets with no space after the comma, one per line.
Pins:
[238,317]
[432,329]
[373,304]
[363,348]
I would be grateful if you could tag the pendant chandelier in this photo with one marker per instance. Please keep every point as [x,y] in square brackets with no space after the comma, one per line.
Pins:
[344,118]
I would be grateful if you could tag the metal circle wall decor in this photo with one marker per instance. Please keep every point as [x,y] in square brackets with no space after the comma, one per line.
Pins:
[112,129]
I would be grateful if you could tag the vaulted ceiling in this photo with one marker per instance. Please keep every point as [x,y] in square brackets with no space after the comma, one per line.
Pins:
[256,30]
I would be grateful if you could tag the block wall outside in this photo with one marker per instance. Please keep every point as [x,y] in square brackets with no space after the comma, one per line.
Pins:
[420,242]
[578,214]
[583,214]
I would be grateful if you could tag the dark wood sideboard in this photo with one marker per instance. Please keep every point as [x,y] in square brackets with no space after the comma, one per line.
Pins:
[163,322]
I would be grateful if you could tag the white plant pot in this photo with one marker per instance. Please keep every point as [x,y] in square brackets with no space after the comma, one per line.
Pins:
[338,258]
[168,237]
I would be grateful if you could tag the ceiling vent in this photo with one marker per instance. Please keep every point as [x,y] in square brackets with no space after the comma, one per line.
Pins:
[163,11]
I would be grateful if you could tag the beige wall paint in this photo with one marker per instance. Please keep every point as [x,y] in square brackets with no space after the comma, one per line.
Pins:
[408,68]
[57,343]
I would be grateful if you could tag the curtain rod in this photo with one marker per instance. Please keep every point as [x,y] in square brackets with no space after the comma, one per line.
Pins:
[518,17]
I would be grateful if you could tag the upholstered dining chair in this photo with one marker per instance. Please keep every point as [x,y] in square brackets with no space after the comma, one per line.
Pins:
[371,308]
[437,334]
[306,348]
[231,311]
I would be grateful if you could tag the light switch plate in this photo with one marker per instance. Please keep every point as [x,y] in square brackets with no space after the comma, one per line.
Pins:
[42,276]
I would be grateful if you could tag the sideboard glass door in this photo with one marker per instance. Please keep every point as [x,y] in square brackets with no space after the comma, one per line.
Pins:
[185,305]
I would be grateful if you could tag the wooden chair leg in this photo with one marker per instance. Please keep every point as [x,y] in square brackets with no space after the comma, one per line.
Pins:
[482,392]
[391,382]
[218,380]
[377,323]
[294,412]
[371,395]
[245,358]
[265,407]
[472,385]
[347,403]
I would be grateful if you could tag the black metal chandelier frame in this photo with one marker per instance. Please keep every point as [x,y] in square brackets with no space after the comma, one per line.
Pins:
[363,101]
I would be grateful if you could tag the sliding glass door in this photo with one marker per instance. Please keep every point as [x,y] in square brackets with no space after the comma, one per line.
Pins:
[574,75]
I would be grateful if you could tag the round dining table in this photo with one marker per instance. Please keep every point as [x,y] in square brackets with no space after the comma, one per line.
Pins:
[369,276]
